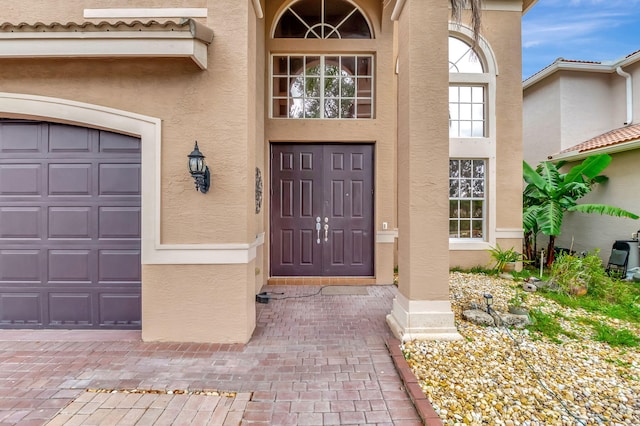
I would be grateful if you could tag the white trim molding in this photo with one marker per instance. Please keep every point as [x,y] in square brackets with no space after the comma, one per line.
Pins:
[397,10]
[258,9]
[509,233]
[149,12]
[187,39]
[386,237]
[422,319]
[148,129]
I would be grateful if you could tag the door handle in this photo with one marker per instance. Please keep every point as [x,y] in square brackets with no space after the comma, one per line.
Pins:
[318,227]
[326,229]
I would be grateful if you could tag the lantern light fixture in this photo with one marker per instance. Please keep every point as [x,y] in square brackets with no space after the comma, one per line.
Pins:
[199,170]
[489,300]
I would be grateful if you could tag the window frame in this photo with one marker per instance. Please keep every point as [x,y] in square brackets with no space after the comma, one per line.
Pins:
[288,6]
[478,148]
[322,78]
[471,199]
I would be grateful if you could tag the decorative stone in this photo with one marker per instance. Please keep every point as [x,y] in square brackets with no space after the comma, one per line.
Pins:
[478,317]
[487,376]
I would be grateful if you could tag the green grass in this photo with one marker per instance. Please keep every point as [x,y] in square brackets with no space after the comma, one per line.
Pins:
[607,334]
[616,337]
[548,325]
[611,298]
[621,304]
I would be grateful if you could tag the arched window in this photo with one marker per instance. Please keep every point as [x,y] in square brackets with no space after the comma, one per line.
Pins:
[472,141]
[462,57]
[467,96]
[322,19]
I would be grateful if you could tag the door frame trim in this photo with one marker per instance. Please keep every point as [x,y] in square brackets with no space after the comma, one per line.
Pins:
[378,236]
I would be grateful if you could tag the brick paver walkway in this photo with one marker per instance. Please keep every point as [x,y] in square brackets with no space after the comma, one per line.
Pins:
[312,360]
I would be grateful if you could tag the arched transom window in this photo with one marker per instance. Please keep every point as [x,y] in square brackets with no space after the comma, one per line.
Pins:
[462,57]
[322,19]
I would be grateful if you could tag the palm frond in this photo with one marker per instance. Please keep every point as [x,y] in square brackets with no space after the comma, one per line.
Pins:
[603,209]
[530,218]
[549,218]
[475,6]
[549,172]
[532,177]
[591,167]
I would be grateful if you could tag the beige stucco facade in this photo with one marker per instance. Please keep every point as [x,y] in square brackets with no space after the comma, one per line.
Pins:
[205,256]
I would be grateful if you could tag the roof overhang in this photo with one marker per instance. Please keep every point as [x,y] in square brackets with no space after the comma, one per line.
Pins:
[593,67]
[527,5]
[185,39]
[610,149]
[519,5]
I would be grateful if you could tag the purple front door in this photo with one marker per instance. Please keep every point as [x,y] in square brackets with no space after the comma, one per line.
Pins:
[69,227]
[321,210]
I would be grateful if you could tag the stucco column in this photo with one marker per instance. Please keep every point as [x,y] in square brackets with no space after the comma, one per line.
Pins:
[422,309]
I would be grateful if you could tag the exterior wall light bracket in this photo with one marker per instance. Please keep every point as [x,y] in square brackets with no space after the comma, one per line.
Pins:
[199,170]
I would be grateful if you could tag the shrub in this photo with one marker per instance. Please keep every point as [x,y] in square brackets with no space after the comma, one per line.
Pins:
[572,273]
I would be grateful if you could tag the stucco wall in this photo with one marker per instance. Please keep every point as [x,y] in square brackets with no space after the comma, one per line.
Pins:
[423,152]
[196,303]
[590,104]
[204,105]
[220,107]
[589,231]
[542,121]
[586,105]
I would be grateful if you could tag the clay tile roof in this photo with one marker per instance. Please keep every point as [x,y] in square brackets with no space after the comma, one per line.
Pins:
[199,30]
[613,137]
[92,27]
[560,60]
[631,54]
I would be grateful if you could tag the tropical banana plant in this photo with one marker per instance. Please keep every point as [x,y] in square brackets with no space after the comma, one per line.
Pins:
[549,194]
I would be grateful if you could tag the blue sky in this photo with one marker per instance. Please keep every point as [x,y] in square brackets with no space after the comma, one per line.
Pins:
[588,30]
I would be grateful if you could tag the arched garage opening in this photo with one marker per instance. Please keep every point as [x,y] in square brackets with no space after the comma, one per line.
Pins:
[61,170]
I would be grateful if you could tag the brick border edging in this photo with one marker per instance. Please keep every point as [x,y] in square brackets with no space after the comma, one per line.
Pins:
[418,398]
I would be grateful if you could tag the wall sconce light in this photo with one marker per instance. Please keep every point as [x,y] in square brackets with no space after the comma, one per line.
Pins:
[199,170]
[489,299]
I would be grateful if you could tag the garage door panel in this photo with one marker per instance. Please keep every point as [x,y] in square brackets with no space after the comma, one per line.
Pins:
[120,309]
[21,138]
[115,143]
[70,309]
[69,139]
[20,308]
[69,265]
[20,265]
[119,222]
[70,222]
[20,222]
[119,265]
[69,227]
[20,179]
[119,179]
[70,179]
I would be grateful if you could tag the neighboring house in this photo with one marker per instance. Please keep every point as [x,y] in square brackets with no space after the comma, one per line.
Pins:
[328,139]
[573,109]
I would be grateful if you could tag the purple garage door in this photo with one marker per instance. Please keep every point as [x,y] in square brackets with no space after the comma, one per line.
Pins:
[69,227]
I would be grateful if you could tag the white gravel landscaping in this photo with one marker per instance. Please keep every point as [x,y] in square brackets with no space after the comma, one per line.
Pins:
[489,379]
